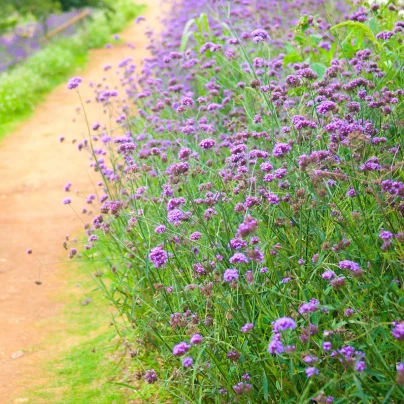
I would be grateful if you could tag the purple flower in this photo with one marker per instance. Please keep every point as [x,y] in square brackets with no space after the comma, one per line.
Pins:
[351,193]
[247,327]
[311,371]
[195,236]
[207,144]
[74,82]
[187,102]
[275,347]
[67,201]
[150,376]
[310,306]
[238,258]
[398,331]
[328,275]
[349,312]
[266,167]
[181,349]
[327,346]
[187,362]
[238,243]
[310,359]
[175,216]
[326,106]
[158,257]
[73,252]
[248,227]
[293,81]
[242,388]
[281,149]
[230,275]
[386,235]
[283,324]
[360,366]
[160,229]
[352,266]
[260,35]
[196,339]
[307,73]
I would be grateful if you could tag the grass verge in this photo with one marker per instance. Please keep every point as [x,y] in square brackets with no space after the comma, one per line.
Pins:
[87,361]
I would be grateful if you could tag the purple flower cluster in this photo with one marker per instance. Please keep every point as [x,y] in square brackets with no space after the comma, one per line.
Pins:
[158,257]
[74,83]
[263,172]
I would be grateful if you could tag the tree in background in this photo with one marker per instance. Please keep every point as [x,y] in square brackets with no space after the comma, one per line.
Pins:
[67,5]
[39,9]
[14,11]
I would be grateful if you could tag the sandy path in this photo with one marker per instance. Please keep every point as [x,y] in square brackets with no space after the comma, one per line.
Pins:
[34,167]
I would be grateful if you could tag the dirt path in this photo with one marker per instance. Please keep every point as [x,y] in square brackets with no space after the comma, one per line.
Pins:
[34,167]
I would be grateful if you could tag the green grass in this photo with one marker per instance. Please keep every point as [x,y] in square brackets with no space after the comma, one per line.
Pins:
[86,357]
[81,376]
[89,360]
[25,86]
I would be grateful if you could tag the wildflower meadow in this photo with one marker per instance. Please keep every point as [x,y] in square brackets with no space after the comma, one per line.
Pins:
[247,225]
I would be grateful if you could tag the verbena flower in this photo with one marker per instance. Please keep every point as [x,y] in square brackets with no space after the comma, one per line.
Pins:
[74,82]
[150,376]
[398,331]
[187,362]
[181,349]
[230,275]
[311,371]
[283,324]
[247,327]
[158,257]
[196,339]
[352,266]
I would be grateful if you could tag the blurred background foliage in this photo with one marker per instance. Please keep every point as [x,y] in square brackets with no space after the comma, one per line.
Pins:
[14,12]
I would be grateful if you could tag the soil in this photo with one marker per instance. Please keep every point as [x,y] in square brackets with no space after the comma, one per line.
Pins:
[34,167]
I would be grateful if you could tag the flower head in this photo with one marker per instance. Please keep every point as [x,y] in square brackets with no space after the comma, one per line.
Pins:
[283,324]
[230,275]
[158,257]
[150,376]
[74,82]
[247,327]
[311,371]
[187,362]
[181,349]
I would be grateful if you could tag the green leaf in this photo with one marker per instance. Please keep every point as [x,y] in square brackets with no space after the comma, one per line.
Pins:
[319,68]
[205,21]
[289,48]
[265,385]
[359,27]
[186,34]
[291,58]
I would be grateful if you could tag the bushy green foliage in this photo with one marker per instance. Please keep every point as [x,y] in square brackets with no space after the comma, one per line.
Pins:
[67,5]
[40,9]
